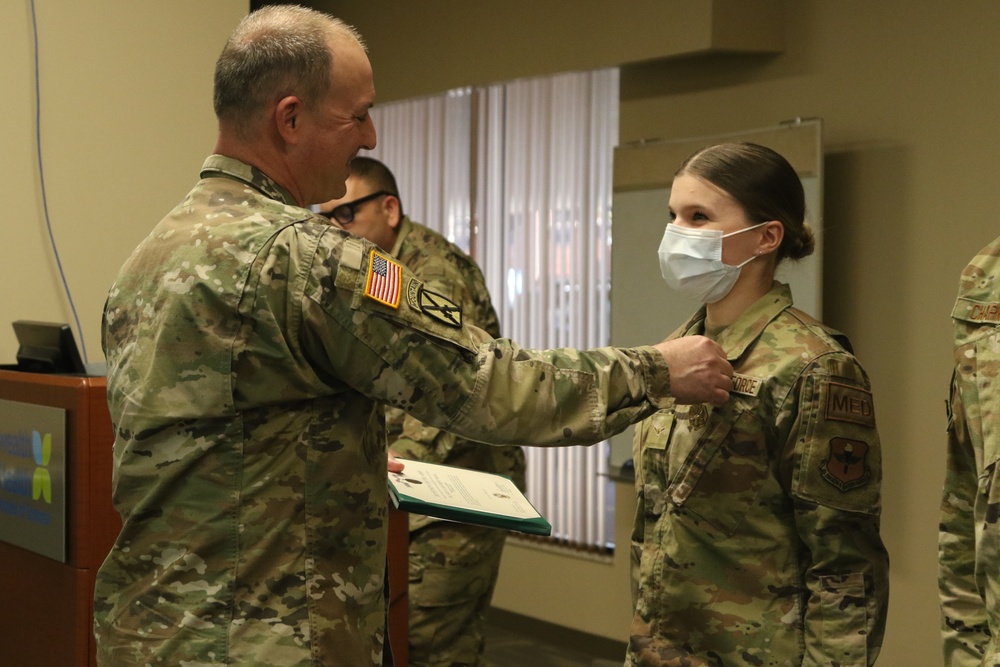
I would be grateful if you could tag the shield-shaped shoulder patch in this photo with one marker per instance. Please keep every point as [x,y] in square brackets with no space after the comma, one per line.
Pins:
[846,466]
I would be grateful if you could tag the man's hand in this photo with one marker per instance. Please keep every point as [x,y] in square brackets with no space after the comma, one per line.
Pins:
[394,465]
[699,370]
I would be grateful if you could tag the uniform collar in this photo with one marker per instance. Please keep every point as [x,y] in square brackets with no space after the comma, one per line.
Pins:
[979,290]
[738,336]
[978,281]
[220,165]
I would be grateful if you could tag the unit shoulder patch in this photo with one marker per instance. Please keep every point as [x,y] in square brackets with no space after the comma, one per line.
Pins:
[846,466]
[440,308]
[413,287]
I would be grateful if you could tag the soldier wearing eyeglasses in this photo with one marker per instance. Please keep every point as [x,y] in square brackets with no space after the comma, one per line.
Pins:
[453,566]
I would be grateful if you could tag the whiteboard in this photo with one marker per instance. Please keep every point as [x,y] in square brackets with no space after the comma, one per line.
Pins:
[643,309]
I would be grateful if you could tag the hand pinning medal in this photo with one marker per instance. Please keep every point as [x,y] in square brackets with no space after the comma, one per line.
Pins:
[697,416]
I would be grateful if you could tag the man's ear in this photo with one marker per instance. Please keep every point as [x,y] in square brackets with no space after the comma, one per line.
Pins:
[287,119]
[391,205]
[771,239]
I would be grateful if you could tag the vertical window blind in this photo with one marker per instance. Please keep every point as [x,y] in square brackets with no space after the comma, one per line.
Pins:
[519,174]
[427,144]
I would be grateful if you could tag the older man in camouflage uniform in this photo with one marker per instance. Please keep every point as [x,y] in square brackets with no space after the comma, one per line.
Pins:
[453,566]
[250,346]
[969,578]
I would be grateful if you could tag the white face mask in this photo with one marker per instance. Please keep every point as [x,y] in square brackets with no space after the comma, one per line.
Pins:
[691,262]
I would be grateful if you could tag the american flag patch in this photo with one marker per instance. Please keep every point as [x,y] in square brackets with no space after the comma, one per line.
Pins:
[384,277]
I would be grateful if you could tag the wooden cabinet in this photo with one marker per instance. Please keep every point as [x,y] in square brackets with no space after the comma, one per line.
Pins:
[46,607]
[399,575]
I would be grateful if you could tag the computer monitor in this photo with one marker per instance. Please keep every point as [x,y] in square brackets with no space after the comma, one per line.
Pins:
[47,347]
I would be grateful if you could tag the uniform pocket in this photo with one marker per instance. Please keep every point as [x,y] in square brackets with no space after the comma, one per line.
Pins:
[450,565]
[985,372]
[723,474]
[844,618]
[652,438]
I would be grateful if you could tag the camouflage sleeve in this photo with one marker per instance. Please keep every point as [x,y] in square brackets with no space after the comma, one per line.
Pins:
[408,347]
[964,624]
[417,440]
[422,442]
[835,483]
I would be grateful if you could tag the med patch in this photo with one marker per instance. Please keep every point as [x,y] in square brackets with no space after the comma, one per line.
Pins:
[838,456]
[849,404]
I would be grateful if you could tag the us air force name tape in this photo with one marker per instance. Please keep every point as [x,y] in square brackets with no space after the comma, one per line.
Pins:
[971,310]
[746,384]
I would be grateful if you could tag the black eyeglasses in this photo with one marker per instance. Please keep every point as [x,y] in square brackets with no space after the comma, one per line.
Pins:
[344,214]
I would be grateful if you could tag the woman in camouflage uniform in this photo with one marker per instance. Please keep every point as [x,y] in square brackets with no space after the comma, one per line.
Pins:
[756,539]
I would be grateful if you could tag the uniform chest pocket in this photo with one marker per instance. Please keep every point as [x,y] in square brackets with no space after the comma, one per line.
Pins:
[651,461]
[722,474]
[987,378]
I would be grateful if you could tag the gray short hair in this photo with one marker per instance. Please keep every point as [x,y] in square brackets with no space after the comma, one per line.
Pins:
[276,51]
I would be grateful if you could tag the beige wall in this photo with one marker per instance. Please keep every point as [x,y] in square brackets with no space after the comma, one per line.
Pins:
[434,45]
[126,120]
[910,101]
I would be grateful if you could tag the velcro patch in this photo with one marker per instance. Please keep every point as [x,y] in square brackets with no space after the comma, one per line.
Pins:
[384,279]
[850,404]
[746,384]
[413,287]
[658,433]
[440,308]
[846,466]
[976,311]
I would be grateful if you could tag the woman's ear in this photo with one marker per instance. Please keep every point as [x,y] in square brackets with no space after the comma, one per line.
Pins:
[771,239]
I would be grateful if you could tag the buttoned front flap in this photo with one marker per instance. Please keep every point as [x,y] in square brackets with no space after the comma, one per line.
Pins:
[652,471]
[985,372]
[978,376]
[718,478]
[977,372]
[977,364]
[976,318]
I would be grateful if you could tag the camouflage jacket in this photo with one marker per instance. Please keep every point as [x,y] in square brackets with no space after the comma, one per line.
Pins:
[969,537]
[444,268]
[756,538]
[250,346]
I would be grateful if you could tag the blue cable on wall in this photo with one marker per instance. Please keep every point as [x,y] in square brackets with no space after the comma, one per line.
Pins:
[41,177]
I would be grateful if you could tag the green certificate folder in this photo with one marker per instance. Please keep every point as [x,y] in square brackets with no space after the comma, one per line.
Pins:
[466,496]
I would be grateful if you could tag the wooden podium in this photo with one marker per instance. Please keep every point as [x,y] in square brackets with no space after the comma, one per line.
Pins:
[399,579]
[46,606]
